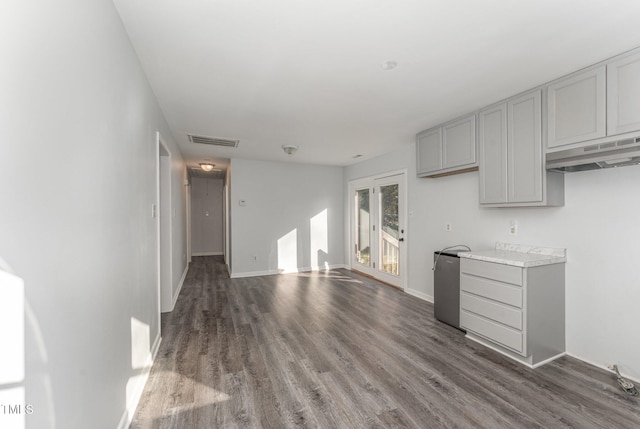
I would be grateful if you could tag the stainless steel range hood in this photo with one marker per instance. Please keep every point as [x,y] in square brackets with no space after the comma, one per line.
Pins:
[604,155]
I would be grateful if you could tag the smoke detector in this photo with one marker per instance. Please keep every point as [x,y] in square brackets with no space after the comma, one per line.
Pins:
[289,149]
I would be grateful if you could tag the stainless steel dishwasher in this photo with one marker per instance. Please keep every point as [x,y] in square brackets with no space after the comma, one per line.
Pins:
[446,286]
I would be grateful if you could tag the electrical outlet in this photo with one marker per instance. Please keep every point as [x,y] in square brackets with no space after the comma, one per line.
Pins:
[513,228]
[254,258]
[448,227]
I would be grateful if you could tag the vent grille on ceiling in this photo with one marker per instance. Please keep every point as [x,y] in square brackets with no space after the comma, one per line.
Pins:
[214,141]
[213,174]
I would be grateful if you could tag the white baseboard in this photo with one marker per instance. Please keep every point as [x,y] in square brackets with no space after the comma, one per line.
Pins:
[526,361]
[293,271]
[552,358]
[419,294]
[317,268]
[253,274]
[132,403]
[207,254]
[175,296]
[337,267]
[599,365]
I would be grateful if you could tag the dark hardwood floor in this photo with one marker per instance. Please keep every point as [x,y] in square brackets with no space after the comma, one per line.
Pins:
[337,350]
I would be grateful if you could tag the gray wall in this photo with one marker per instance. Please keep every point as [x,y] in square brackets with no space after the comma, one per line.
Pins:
[292,218]
[207,218]
[77,183]
[598,226]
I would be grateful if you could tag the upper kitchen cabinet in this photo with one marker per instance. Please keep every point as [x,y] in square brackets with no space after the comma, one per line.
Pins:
[492,154]
[597,105]
[524,148]
[447,149]
[577,108]
[510,150]
[429,151]
[623,95]
[459,143]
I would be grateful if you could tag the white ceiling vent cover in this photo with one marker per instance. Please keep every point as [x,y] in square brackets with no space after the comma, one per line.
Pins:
[216,173]
[213,141]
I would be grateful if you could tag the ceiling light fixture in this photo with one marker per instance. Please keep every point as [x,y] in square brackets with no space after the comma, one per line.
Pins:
[389,65]
[207,166]
[289,149]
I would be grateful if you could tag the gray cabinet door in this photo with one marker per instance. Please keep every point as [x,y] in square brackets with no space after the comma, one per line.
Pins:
[492,152]
[429,151]
[623,95]
[459,142]
[576,108]
[524,148]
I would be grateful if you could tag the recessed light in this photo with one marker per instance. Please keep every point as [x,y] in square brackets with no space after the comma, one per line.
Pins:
[389,65]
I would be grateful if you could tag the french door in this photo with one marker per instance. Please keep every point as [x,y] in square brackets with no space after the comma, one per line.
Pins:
[377,212]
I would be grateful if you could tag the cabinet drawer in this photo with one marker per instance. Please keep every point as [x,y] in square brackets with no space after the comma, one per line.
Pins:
[492,310]
[493,331]
[497,291]
[491,270]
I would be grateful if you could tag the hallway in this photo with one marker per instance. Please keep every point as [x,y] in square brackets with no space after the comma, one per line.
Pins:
[336,350]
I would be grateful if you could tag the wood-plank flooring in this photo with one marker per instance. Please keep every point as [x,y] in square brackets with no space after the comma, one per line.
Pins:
[338,350]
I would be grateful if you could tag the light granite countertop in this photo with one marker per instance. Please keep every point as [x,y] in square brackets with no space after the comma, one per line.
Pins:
[519,255]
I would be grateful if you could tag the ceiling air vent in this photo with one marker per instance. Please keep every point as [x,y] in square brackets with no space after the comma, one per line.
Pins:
[216,173]
[213,141]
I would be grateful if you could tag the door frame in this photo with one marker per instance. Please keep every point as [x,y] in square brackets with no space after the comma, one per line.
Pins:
[164,225]
[371,182]
[187,187]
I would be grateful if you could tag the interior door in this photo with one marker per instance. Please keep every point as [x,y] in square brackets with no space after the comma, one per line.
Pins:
[378,228]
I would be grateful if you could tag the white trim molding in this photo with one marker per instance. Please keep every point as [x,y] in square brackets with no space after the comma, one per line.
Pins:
[207,254]
[143,377]
[419,294]
[179,288]
[601,366]
[276,272]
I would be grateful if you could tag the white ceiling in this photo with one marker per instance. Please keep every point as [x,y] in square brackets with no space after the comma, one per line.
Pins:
[308,72]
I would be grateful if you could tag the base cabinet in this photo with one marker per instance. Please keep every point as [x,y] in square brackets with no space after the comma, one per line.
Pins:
[517,311]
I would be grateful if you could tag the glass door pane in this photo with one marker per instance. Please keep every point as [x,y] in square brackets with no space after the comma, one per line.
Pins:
[390,229]
[362,228]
